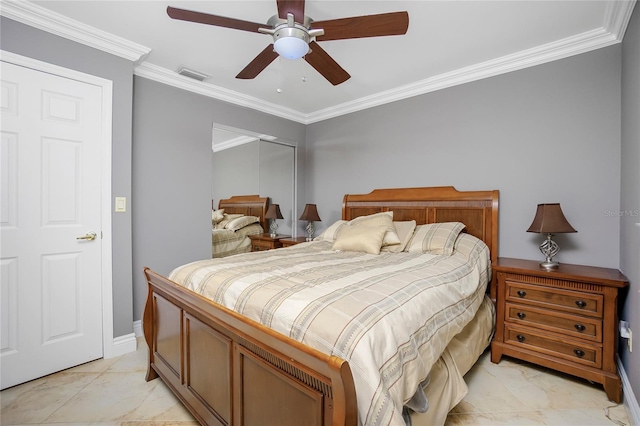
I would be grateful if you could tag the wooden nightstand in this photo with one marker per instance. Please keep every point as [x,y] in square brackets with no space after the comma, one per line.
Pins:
[288,242]
[261,242]
[564,319]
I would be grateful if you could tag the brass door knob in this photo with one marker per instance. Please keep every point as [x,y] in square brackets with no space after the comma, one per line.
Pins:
[89,236]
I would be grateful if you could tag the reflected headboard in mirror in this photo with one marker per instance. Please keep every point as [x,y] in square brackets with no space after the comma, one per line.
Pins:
[248,205]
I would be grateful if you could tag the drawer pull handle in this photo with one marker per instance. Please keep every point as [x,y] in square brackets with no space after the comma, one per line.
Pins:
[580,327]
[522,293]
[521,315]
[520,338]
[581,303]
[578,353]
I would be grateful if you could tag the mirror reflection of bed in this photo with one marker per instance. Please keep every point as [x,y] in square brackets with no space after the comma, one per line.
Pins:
[249,167]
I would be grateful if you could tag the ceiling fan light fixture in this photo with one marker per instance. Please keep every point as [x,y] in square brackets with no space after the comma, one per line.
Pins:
[291,43]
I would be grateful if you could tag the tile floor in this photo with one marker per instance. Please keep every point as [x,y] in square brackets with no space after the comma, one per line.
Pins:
[113,392]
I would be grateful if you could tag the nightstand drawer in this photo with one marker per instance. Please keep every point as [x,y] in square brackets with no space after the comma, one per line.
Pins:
[555,298]
[554,345]
[572,325]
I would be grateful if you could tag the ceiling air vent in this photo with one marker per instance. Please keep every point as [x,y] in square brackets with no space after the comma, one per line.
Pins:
[192,74]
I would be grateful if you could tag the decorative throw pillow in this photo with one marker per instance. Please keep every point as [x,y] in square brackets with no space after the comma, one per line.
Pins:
[379,219]
[435,238]
[217,215]
[241,222]
[366,239]
[405,231]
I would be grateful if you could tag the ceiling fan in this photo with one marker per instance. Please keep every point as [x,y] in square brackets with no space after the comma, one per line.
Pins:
[295,35]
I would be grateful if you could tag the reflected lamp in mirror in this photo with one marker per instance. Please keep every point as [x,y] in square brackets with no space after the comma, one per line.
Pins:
[550,220]
[310,214]
[273,213]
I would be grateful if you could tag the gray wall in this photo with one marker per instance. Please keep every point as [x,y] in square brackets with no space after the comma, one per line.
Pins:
[172,173]
[550,133]
[630,193]
[28,41]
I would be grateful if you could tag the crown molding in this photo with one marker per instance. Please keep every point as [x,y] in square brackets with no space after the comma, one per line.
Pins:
[171,78]
[617,16]
[550,52]
[240,140]
[44,19]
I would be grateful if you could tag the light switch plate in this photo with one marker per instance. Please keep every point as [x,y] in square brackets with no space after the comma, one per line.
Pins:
[121,204]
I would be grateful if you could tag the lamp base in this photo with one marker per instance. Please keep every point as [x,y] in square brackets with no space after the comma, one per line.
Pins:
[549,265]
[549,248]
[310,229]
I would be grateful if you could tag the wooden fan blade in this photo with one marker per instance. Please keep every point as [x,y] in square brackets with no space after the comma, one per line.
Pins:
[295,7]
[218,21]
[325,65]
[385,24]
[258,64]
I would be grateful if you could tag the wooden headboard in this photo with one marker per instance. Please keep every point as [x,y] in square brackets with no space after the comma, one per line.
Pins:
[478,210]
[248,205]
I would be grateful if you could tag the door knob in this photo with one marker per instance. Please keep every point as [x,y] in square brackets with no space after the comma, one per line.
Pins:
[90,236]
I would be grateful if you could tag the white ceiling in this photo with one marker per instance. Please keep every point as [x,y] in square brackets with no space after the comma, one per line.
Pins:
[447,43]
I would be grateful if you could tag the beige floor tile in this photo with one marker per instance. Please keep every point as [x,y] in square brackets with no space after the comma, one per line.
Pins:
[114,393]
[34,401]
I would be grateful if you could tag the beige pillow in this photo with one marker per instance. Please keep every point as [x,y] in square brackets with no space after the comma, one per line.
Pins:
[241,222]
[379,219]
[217,215]
[226,219]
[435,238]
[405,231]
[366,239]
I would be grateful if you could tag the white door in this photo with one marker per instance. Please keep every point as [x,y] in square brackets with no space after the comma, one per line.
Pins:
[51,295]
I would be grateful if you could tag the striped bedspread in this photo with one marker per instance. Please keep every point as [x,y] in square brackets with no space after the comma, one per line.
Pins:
[225,242]
[389,315]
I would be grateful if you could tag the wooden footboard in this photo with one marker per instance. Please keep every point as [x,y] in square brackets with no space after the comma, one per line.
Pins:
[230,370]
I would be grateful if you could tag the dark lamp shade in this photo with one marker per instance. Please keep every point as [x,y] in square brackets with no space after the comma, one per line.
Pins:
[273,212]
[310,213]
[550,220]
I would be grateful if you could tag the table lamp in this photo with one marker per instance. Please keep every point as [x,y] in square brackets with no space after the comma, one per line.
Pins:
[273,213]
[550,220]
[310,214]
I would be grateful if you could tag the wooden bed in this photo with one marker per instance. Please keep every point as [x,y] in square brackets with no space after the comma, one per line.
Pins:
[227,242]
[248,205]
[228,369]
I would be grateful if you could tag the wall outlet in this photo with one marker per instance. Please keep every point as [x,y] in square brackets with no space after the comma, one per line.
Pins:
[624,329]
[625,333]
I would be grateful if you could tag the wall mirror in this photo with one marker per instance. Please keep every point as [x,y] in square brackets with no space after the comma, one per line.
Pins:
[247,163]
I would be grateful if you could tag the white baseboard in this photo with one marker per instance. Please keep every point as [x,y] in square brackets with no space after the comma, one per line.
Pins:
[630,400]
[122,345]
[137,328]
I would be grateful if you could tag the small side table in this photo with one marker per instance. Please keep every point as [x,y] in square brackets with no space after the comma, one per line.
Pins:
[261,242]
[565,319]
[288,242]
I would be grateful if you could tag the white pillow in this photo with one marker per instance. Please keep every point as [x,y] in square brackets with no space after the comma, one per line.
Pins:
[435,238]
[217,215]
[330,233]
